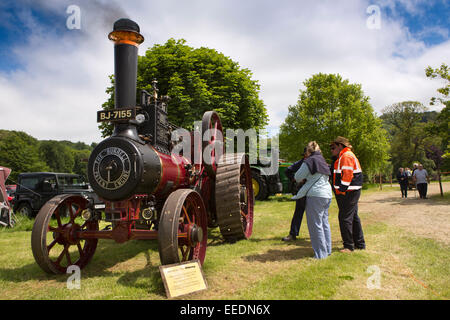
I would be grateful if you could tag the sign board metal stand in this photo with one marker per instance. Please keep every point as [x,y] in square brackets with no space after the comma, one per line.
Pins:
[183,278]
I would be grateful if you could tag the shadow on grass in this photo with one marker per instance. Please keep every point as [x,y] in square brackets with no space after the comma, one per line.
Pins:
[439,198]
[281,255]
[301,249]
[216,239]
[283,198]
[107,255]
[145,278]
[411,200]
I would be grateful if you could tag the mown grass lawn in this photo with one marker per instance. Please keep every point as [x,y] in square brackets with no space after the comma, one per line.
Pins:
[262,267]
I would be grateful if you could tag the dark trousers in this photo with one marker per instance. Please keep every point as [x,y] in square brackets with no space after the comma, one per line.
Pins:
[422,188]
[296,222]
[404,189]
[349,223]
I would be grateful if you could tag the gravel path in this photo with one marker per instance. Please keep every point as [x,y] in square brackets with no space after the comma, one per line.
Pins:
[428,218]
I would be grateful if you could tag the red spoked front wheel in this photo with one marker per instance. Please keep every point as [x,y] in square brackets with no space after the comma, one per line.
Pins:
[183,228]
[54,238]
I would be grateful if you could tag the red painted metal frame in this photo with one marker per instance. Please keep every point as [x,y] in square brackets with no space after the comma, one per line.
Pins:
[172,169]
[133,234]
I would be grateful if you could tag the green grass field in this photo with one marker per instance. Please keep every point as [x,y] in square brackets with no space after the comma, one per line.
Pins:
[263,267]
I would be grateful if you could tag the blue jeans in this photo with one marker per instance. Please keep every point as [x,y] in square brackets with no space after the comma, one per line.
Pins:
[318,225]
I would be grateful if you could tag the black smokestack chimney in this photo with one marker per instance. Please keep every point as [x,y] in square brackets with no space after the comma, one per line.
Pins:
[126,39]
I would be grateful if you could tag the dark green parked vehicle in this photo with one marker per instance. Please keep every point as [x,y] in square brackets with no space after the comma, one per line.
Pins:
[266,184]
[34,189]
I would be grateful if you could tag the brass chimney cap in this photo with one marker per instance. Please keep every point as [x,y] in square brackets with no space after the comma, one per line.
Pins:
[126,31]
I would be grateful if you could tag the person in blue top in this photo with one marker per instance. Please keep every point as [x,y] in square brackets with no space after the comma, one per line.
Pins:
[317,190]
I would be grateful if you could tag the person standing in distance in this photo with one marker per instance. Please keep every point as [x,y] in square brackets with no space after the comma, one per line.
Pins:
[402,179]
[421,180]
[347,183]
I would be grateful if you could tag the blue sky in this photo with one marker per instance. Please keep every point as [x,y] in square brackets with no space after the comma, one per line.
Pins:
[429,20]
[282,43]
[16,27]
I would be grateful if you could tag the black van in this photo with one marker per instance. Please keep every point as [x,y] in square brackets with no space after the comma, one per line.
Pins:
[36,188]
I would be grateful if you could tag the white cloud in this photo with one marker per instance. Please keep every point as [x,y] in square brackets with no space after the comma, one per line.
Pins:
[282,43]
[62,82]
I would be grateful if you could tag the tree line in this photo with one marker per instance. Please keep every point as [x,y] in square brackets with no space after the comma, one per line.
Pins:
[405,133]
[202,79]
[24,153]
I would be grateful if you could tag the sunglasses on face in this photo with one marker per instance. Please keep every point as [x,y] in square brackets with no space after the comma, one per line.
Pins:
[334,146]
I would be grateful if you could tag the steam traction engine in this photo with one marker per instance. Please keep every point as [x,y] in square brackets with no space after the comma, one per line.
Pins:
[149,191]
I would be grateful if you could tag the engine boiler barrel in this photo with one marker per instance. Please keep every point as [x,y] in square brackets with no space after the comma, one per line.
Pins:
[173,173]
[120,168]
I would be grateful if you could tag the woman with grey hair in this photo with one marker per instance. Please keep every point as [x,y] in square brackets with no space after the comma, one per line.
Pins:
[317,190]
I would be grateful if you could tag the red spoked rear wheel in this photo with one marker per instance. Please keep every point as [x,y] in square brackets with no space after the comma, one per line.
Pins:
[213,145]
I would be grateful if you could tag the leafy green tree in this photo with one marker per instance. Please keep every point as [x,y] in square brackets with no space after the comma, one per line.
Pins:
[23,153]
[19,151]
[440,126]
[443,73]
[198,80]
[407,132]
[329,107]
[76,145]
[440,153]
[57,156]
[65,156]
[80,161]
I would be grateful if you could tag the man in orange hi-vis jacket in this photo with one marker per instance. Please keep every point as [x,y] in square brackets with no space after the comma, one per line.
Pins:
[347,184]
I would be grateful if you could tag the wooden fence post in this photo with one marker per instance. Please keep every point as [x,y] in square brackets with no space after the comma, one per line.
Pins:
[381,183]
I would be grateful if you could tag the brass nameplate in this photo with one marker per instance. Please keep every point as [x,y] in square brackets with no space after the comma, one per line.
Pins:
[183,278]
